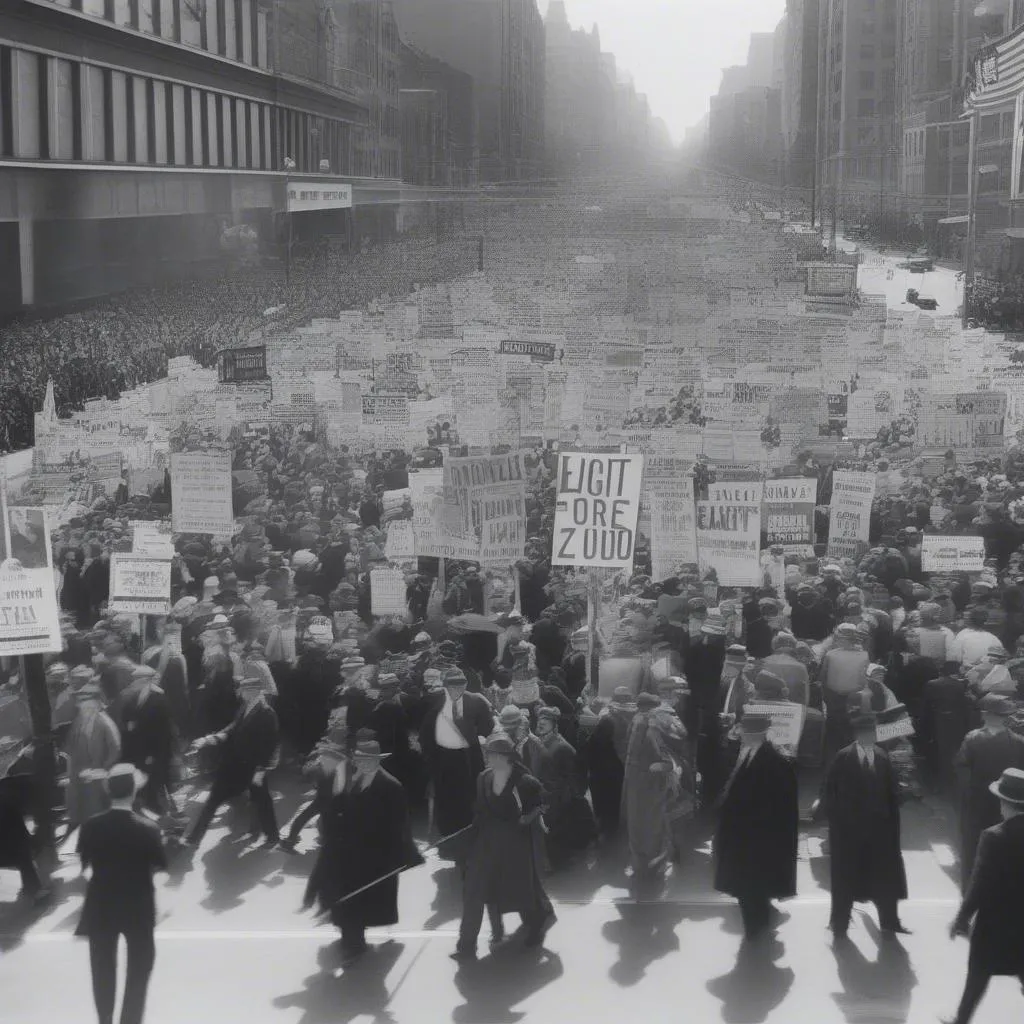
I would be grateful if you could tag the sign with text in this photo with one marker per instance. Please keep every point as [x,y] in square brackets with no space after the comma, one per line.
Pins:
[501,512]
[303,198]
[538,350]
[789,511]
[850,512]
[242,365]
[952,554]
[140,584]
[201,493]
[596,509]
[29,622]
[787,723]
[153,539]
[673,530]
[729,538]
[387,593]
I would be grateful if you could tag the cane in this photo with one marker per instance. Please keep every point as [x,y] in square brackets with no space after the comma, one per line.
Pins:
[391,874]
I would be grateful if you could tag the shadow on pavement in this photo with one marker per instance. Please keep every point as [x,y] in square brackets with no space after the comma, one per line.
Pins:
[359,991]
[447,904]
[874,990]
[755,986]
[644,933]
[495,984]
[230,874]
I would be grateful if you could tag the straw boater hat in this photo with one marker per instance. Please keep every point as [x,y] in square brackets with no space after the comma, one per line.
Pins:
[714,624]
[124,780]
[1010,787]
[353,664]
[623,694]
[421,641]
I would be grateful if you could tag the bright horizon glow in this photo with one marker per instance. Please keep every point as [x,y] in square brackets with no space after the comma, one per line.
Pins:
[675,50]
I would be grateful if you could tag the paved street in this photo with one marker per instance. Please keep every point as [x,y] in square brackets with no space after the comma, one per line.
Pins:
[232,947]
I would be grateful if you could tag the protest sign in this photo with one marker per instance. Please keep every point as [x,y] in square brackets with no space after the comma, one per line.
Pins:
[140,584]
[850,512]
[596,509]
[952,554]
[729,538]
[438,525]
[401,542]
[153,539]
[673,530]
[789,511]
[387,592]
[787,723]
[885,731]
[201,493]
[501,514]
[29,622]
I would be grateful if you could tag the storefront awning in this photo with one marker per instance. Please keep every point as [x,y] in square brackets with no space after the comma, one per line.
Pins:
[962,219]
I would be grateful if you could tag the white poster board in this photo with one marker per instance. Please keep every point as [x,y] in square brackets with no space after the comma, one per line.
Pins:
[201,493]
[850,513]
[902,727]
[387,593]
[787,723]
[140,584]
[401,541]
[596,509]
[673,530]
[29,621]
[952,554]
[729,541]
[153,539]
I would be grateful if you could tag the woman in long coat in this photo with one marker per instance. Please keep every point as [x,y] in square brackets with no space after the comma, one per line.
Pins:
[366,836]
[756,843]
[93,747]
[503,868]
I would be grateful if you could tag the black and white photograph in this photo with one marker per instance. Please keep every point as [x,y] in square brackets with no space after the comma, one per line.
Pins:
[511,510]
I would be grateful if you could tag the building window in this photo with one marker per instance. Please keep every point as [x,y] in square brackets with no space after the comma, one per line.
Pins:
[867,81]
[180,129]
[865,107]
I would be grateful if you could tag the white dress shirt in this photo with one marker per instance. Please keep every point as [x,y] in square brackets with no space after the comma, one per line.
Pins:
[446,732]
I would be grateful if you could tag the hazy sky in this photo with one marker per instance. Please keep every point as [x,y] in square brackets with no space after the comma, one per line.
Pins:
[676,49]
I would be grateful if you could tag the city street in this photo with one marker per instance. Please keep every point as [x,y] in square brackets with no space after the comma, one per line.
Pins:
[232,946]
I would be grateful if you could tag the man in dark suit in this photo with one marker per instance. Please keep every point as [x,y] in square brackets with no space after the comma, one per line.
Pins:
[248,751]
[122,850]
[984,754]
[148,736]
[367,842]
[994,899]
[450,740]
[860,799]
[756,842]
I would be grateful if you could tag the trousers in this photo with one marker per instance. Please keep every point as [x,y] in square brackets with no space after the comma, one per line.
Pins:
[888,914]
[220,794]
[103,961]
[756,912]
[974,991]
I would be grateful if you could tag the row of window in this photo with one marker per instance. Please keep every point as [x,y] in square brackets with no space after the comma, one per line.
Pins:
[55,109]
[235,29]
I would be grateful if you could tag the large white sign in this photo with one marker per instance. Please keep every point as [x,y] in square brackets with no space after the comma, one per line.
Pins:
[29,622]
[673,530]
[152,538]
[140,584]
[303,197]
[596,509]
[952,554]
[387,593]
[729,540]
[787,724]
[850,512]
[201,493]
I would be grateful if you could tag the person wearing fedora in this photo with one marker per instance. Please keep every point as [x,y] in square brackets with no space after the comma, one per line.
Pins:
[994,899]
[755,846]
[704,672]
[860,800]
[503,873]
[121,850]
[248,750]
[450,741]
[93,745]
[983,757]
[321,769]
[366,842]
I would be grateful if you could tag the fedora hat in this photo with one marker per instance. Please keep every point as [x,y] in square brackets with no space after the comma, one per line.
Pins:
[454,677]
[510,717]
[1010,787]
[369,748]
[124,780]
[996,704]
[500,744]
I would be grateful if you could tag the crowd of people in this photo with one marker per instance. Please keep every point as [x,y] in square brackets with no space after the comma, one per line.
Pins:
[524,736]
[121,341]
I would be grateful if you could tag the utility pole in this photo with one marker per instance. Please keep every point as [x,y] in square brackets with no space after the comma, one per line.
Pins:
[972,227]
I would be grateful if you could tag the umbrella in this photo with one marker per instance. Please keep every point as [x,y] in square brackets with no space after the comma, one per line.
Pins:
[473,623]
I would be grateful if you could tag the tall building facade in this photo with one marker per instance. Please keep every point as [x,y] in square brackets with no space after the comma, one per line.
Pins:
[134,132]
[500,44]
[857,148]
[799,100]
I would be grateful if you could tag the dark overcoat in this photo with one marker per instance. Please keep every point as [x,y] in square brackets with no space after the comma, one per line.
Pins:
[365,836]
[148,734]
[995,898]
[756,840]
[503,867]
[247,746]
[863,812]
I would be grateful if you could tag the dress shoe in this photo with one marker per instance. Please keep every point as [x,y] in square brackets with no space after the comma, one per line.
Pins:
[270,844]
[464,956]
[536,937]
[896,929]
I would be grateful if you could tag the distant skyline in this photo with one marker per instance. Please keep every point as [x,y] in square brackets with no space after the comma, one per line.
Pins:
[675,49]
